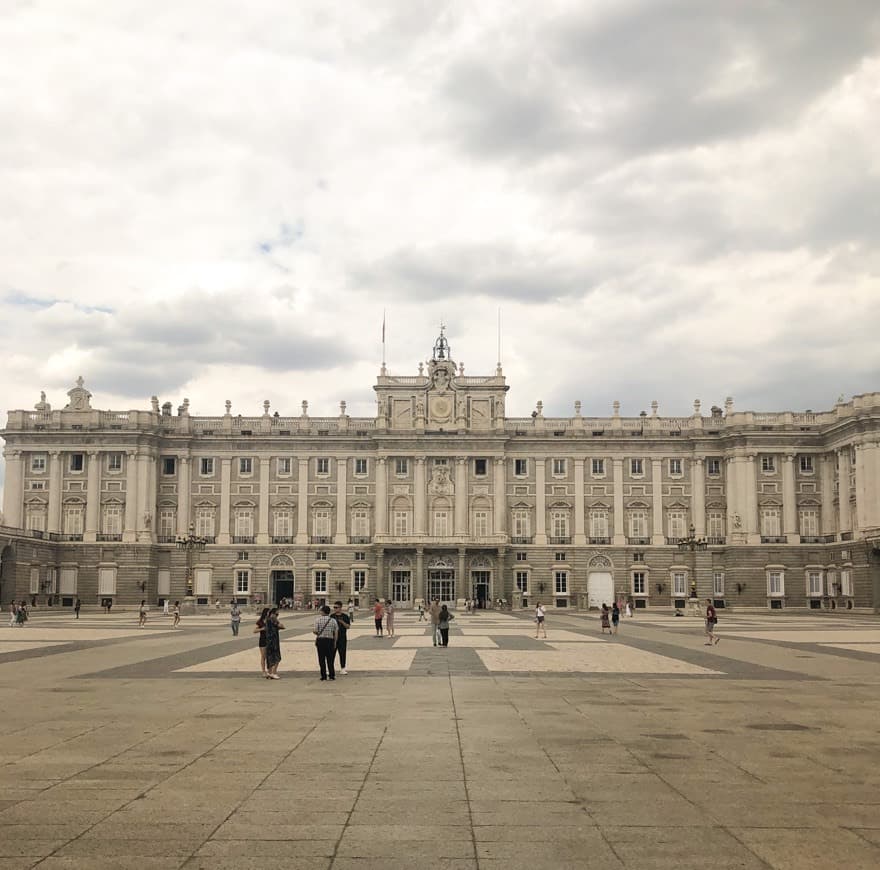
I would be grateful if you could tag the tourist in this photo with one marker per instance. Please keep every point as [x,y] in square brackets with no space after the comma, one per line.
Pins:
[539,619]
[326,631]
[273,644]
[13,614]
[615,617]
[235,617]
[166,605]
[351,609]
[629,609]
[260,628]
[443,620]
[344,622]
[378,615]
[422,609]
[434,613]
[175,612]
[142,614]
[711,622]
[605,618]
[389,617]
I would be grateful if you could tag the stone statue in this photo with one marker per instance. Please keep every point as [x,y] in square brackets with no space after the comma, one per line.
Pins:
[737,521]
[441,379]
[148,519]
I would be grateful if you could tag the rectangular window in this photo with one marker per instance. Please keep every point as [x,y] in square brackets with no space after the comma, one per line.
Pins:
[401,466]
[679,584]
[636,468]
[675,467]
[202,581]
[809,522]
[360,523]
[441,524]
[598,524]
[638,582]
[320,555]
[560,582]
[245,465]
[322,466]
[713,467]
[521,524]
[106,581]
[718,584]
[112,520]
[244,523]
[521,467]
[360,556]
[169,466]
[206,466]
[846,584]
[114,462]
[598,468]
[559,556]
[76,462]
[167,522]
[775,583]
[320,581]
[36,518]
[770,523]
[205,522]
[282,524]
[360,467]
[638,524]
[322,524]
[73,520]
[284,466]
[481,524]
[559,525]
[242,582]
[522,556]
[677,524]
[559,468]
[638,557]
[67,584]
[715,524]
[522,581]
[358,580]
[479,468]
[401,523]
[815,587]
[806,464]
[38,463]
[768,464]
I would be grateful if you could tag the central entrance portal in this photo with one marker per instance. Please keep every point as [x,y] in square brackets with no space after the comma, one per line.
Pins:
[401,588]
[480,586]
[441,584]
[282,585]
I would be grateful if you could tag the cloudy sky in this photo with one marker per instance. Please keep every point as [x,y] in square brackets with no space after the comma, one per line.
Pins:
[666,199]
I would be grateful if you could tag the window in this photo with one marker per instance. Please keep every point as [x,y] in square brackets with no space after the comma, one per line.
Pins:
[38,484]
[73,519]
[282,524]
[205,522]
[560,582]
[242,555]
[167,523]
[559,468]
[322,466]
[481,524]
[815,587]
[679,584]
[559,556]
[770,522]
[320,555]
[521,524]
[35,517]
[559,524]
[638,524]
[521,467]
[713,467]
[360,556]
[76,462]
[441,524]
[809,522]
[636,468]
[321,524]
[715,524]
[846,584]
[675,467]
[775,583]
[638,557]
[244,523]
[112,519]
[114,462]
[522,556]
[522,581]
[479,467]
[638,582]
[598,468]
[768,464]
[598,524]
[401,523]
[718,584]
[401,466]
[169,466]
[245,465]
[284,466]
[360,523]
[360,467]
[242,581]
[677,524]
[358,580]
[320,581]
[206,466]
[38,463]
[806,464]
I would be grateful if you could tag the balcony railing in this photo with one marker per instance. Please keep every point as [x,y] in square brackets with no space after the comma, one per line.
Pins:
[600,541]
[818,539]
[560,539]
[774,539]
[846,536]
[67,537]
[673,541]
[521,539]
[716,541]
[638,542]
[108,537]
[166,539]
[321,539]
[282,539]
[360,539]
[242,539]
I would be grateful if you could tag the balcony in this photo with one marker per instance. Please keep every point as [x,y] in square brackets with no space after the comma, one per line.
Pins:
[673,542]
[600,541]
[716,541]
[774,539]
[818,539]
[68,537]
[242,539]
[846,536]
[559,539]
[360,539]
[108,537]
[321,539]
[521,539]
[446,542]
[166,539]
[282,539]
[638,542]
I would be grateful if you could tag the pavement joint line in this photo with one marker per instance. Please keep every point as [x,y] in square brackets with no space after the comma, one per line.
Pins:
[467,791]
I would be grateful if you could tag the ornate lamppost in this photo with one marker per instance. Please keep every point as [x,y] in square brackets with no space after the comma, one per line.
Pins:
[693,543]
[191,543]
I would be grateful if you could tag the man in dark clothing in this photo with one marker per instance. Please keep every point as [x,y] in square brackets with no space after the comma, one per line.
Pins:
[344,621]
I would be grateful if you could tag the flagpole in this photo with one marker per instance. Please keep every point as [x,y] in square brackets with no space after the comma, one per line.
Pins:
[383,341]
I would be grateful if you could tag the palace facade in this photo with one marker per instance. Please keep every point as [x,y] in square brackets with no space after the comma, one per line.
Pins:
[442,495]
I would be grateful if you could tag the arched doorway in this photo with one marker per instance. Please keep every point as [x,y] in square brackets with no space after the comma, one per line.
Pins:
[481,581]
[401,581]
[282,580]
[441,580]
[600,582]
[7,585]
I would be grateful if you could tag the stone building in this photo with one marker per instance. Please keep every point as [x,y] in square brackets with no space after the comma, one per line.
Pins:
[441,494]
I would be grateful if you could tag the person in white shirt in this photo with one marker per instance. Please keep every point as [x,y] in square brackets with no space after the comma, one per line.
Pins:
[539,620]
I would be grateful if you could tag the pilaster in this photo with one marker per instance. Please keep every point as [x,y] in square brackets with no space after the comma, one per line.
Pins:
[580,538]
[541,501]
[500,496]
[381,506]
[93,496]
[658,538]
[619,538]
[184,494]
[13,490]
[263,506]
[789,501]
[698,495]
[225,498]
[55,494]
[341,500]
[461,500]
[129,534]
[419,496]
[843,475]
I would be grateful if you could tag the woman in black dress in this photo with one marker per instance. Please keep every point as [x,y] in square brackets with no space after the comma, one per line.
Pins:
[260,629]
[273,644]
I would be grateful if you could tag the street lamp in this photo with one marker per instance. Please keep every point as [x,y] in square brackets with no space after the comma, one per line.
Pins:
[190,542]
[693,543]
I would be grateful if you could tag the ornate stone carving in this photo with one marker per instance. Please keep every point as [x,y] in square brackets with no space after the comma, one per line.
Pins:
[79,397]
[440,483]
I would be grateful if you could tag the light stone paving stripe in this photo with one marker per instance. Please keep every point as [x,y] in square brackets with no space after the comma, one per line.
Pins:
[855,636]
[305,660]
[598,659]
[69,635]
[9,646]
[857,647]
[457,641]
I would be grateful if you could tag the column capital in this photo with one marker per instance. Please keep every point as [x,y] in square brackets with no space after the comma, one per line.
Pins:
[698,460]
[12,454]
[461,460]
[93,452]
[132,454]
[500,461]
[55,453]
[183,460]
[579,460]
[789,455]
[381,460]
[420,460]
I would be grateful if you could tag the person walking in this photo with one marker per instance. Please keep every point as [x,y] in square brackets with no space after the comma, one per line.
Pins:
[539,619]
[326,631]
[378,615]
[260,629]
[142,613]
[422,609]
[343,620]
[443,620]
[76,606]
[21,615]
[605,618]
[389,617]
[615,617]
[235,617]
[13,614]
[351,609]
[273,644]
[175,612]
[711,622]
[629,609]
[434,613]
[166,607]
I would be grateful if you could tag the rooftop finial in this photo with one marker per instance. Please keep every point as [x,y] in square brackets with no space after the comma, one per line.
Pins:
[441,346]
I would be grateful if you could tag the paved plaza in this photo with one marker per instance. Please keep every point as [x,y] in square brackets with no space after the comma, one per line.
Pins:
[163,748]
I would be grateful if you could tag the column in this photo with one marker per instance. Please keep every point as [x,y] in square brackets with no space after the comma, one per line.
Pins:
[580,538]
[302,502]
[381,506]
[419,579]
[541,501]
[843,473]
[861,518]
[225,498]
[13,490]
[657,536]
[698,499]
[828,519]
[54,519]
[619,539]
[419,497]
[184,488]
[463,586]
[153,485]
[131,496]
[341,500]
[93,496]
[461,500]
[143,503]
[380,577]
[750,485]
[500,496]
[263,506]
[872,485]
[789,501]
[735,510]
